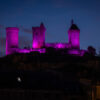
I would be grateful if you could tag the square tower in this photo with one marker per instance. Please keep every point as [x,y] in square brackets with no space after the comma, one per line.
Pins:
[38,36]
[74,36]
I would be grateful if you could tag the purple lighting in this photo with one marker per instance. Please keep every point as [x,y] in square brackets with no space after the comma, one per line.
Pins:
[30,50]
[11,39]
[38,36]
[39,45]
[58,45]
[74,36]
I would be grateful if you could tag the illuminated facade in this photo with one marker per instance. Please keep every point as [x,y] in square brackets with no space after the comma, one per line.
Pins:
[38,36]
[74,36]
[11,39]
[38,44]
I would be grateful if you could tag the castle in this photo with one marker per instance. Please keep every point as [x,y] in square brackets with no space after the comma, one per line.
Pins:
[38,44]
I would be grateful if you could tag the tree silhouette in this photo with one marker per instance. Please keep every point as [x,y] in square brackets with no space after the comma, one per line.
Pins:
[91,50]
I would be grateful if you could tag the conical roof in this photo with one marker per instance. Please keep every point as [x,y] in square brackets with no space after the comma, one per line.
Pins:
[42,25]
[73,26]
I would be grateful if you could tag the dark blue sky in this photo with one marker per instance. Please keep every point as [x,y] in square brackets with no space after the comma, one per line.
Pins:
[56,16]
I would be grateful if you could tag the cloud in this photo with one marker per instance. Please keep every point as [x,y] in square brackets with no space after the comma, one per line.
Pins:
[23,29]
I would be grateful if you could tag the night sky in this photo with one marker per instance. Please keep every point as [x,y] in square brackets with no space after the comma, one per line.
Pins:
[56,16]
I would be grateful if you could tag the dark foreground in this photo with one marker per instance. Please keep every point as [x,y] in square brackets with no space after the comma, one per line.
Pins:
[49,77]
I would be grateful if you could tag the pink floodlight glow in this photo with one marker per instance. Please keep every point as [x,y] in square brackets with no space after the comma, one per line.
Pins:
[74,39]
[11,39]
[23,51]
[39,45]
[60,45]
[38,36]
[43,50]
[36,45]
[82,52]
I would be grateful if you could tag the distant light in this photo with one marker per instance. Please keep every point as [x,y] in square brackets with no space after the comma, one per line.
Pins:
[19,79]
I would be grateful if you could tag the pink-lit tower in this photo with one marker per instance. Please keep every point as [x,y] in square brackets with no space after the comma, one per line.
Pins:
[11,39]
[38,36]
[74,36]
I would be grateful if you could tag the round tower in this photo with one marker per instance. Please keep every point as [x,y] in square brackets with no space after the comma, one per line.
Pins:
[11,39]
[74,36]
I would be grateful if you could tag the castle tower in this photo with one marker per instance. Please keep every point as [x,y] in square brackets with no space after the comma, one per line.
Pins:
[74,36]
[38,36]
[11,39]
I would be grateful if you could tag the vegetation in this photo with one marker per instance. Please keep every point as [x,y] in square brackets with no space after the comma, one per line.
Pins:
[50,72]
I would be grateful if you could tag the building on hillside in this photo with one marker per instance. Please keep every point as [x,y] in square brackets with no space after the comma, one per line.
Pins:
[38,44]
